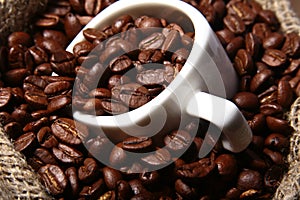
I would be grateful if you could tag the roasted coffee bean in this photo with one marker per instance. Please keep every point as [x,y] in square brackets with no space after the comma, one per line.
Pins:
[151,77]
[137,144]
[92,105]
[186,191]
[275,156]
[48,21]
[69,131]
[273,176]
[71,174]
[180,55]
[57,87]
[198,169]
[249,179]
[45,156]
[252,44]
[72,25]
[269,17]
[149,178]
[39,56]
[284,94]
[36,125]
[63,63]
[273,41]
[160,157]
[133,95]
[234,23]
[137,186]
[278,125]
[246,100]
[82,48]
[16,56]
[5,96]
[227,165]
[274,58]
[147,22]
[45,138]
[269,95]
[271,109]
[43,69]
[178,140]
[117,156]
[22,38]
[93,191]
[234,45]
[5,118]
[66,154]
[111,177]
[291,45]
[154,41]
[276,141]
[92,34]
[261,80]
[150,56]
[15,77]
[59,36]
[25,143]
[113,107]
[172,42]
[53,178]
[225,36]
[89,171]
[261,30]
[120,63]
[13,129]
[243,62]
[21,115]
[58,103]
[123,190]
[120,22]
[36,80]
[100,93]
[244,11]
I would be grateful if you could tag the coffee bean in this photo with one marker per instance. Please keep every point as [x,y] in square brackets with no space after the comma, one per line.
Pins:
[39,56]
[67,154]
[253,44]
[291,45]
[274,58]
[25,142]
[276,141]
[13,129]
[89,171]
[262,30]
[45,156]
[243,62]
[92,34]
[273,41]
[69,131]
[133,95]
[111,178]
[172,42]
[150,56]
[53,178]
[137,144]
[244,11]
[225,36]
[58,103]
[160,157]
[117,156]
[120,22]
[261,80]
[82,48]
[15,77]
[45,138]
[285,94]
[123,190]
[249,179]
[93,191]
[234,45]
[5,96]
[22,38]
[63,63]
[154,41]
[57,87]
[43,69]
[147,22]
[269,17]
[273,176]
[275,156]
[227,165]
[59,36]
[185,190]
[246,100]
[234,23]
[5,118]
[113,107]
[278,125]
[178,140]
[151,77]
[120,63]
[71,174]
[198,169]
[72,25]
[36,125]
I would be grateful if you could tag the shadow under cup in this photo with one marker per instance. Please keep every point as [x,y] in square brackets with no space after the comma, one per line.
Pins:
[167,111]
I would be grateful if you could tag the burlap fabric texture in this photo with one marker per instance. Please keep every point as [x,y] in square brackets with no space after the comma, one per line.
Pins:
[17,179]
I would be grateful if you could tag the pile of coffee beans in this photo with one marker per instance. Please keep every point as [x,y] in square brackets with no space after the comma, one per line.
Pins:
[34,106]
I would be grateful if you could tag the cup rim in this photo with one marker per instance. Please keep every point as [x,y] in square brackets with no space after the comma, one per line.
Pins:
[201,37]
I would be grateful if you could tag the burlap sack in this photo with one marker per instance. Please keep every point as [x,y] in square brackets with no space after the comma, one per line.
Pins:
[17,179]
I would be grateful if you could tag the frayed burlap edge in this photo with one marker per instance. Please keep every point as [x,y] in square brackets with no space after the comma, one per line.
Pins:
[289,188]
[17,178]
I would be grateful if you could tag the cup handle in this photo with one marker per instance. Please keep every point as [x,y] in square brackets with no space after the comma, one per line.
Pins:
[236,133]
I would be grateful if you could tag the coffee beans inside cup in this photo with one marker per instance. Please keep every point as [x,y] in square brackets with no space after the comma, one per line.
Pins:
[34,104]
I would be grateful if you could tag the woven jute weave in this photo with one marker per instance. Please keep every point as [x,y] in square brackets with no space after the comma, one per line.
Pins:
[17,179]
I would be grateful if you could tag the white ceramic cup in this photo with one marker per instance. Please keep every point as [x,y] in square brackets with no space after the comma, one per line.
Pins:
[199,90]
